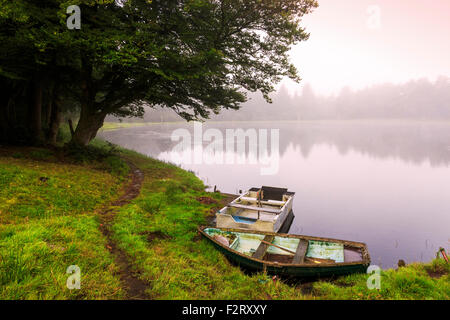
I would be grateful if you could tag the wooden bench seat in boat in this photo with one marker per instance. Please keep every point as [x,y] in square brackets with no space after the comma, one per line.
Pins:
[240,219]
[268,202]
[262,248]
[254,208]
[300,253]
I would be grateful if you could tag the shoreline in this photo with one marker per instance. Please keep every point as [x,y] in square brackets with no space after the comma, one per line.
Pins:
[108,125]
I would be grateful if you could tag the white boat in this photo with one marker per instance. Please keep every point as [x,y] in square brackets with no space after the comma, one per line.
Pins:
[260,209]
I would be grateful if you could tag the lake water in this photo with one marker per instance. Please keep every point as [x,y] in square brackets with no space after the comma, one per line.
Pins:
[383,183]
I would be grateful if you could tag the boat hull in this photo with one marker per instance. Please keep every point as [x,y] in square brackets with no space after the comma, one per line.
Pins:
[292,271]
[289,270]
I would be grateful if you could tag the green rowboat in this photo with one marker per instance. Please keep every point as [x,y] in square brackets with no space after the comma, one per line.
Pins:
[288,254]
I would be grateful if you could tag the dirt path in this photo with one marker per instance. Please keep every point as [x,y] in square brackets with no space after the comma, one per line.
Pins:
[134,286]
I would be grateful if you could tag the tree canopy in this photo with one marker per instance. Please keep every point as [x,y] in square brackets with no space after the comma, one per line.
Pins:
[196,57]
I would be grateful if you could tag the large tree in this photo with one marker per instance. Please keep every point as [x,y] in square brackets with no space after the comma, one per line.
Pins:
[37,69]
[194,56]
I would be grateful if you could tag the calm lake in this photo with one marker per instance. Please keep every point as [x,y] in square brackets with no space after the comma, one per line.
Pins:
[383,183]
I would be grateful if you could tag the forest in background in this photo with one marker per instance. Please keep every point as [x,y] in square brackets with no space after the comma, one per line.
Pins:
[420,99]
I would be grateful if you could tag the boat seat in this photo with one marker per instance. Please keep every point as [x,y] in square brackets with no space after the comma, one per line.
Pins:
[262,248]
[300,253]
[246,220]
[255,208]
[272,193]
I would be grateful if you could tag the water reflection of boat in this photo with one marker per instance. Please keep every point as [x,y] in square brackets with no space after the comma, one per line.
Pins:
[289,255]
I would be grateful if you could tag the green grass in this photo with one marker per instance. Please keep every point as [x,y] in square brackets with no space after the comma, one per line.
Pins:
[410,283]
[120,125]
[48,221]
[158,231]
[49,207]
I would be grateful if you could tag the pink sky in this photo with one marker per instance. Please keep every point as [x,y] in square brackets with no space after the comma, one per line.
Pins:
[347,46]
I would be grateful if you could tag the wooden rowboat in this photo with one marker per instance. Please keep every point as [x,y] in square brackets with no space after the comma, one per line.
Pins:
[260,209]
[287,254]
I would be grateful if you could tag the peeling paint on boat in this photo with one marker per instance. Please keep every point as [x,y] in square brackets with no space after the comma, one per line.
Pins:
[326,250]
[287,243]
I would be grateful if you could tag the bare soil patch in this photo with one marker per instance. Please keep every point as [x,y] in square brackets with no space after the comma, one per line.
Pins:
[134,286]
[206,200]
[155,235]
[436,274]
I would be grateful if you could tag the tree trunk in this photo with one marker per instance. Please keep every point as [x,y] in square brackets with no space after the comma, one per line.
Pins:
[49,106]
[8,97]
[55,120]
[4,97]
[91,118]
[3,122]
[35,112]
[88,125]
[72,131]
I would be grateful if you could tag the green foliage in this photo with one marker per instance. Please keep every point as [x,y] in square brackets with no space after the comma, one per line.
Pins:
[18,155]
[152,203]
[104,154]
[42,154]
[13,268]
[116,166]
[195,57]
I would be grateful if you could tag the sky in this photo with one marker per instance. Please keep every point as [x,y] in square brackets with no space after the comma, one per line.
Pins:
[359,43]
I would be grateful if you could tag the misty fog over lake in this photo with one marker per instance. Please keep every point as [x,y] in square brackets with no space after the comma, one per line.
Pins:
[385,183]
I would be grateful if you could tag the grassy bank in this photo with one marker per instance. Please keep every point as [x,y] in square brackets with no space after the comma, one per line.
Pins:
[49,220]
[121,125]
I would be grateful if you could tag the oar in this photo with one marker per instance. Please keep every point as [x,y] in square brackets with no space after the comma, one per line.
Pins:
[274,245]
[316,260]
[319,260]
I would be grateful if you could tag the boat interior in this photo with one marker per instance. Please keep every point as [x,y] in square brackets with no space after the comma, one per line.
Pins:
[288,250]
[248,208]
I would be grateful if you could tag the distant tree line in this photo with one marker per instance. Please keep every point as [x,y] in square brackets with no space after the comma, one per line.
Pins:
[417,100]
[196,57]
